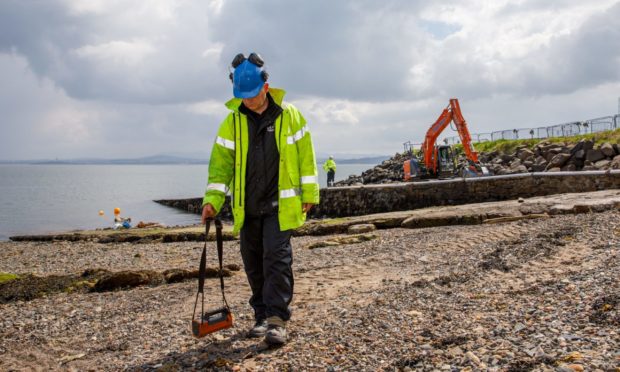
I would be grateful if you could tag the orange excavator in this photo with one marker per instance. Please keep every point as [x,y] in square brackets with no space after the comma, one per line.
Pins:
[439,161]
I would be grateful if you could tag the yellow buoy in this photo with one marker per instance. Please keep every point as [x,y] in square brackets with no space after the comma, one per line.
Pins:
[101,212]
[117,210]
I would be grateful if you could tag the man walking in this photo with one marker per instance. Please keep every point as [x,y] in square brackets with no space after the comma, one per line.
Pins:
[330,167]
[263,156]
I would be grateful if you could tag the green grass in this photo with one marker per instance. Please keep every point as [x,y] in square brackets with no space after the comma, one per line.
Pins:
[509,146]
[6,277]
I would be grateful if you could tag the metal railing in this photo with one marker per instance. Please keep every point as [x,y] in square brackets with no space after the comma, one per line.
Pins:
[410,147]
[560,130]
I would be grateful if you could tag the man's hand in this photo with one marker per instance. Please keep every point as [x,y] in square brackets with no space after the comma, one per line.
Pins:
[207,212]
[306,207]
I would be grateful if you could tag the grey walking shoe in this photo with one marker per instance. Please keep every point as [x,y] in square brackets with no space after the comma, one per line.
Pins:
[276,335]
[259,329]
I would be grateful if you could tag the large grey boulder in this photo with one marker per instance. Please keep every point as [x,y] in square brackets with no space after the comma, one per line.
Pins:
[577,162]
[608,150]
[524,154]
[578,147]
[569,167]
[553,151]
[556,149]
[588,145]
[515,163]
[544,148]
[580,155]
[518,169]
[602,164]
[594,155]
[540,160]
[506,159]
[558,160]
[488,156]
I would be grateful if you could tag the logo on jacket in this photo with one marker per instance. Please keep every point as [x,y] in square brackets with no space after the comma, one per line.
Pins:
[271,128]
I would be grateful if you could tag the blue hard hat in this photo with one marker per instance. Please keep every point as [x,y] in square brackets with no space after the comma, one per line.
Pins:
[247,80]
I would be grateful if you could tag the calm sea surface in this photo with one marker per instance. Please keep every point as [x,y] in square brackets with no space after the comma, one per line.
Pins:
[38,199]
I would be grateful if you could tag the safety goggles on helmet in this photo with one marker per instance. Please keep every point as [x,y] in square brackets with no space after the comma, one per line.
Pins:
[249,76]
[253,57]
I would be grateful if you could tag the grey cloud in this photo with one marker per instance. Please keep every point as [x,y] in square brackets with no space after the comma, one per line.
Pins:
[527,6]
[48,36]
[36,29]
[584,58]
[23,101]
[357,50]
[31,129]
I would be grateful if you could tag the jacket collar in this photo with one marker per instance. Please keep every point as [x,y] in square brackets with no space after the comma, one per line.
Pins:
[276,93]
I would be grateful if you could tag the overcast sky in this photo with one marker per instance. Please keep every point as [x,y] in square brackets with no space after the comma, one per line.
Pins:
[131,78]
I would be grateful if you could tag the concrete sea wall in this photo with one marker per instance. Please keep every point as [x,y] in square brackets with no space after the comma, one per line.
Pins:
[368,199]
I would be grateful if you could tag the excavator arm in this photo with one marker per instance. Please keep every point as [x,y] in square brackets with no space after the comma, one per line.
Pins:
[461,127]
[428,147]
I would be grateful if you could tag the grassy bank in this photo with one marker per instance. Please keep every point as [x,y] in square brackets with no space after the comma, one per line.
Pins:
[509,146]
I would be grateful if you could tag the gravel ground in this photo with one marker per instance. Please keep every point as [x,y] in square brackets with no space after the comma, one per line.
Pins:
[528,295]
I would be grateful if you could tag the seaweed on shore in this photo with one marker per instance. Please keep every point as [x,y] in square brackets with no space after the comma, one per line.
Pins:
[28,287]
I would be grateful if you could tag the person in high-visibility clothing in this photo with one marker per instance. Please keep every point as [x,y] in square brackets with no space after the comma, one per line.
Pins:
[264,158]
[330,167]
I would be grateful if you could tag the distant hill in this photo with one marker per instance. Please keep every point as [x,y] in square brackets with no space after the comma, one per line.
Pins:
[148,160]
[365,160]
[171,160]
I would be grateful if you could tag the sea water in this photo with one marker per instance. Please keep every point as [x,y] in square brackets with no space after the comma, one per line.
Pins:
[37,199]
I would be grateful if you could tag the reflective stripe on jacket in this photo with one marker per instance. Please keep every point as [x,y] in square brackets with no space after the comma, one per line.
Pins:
[297,180]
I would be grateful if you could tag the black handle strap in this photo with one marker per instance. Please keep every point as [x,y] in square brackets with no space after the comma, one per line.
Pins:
[202,269]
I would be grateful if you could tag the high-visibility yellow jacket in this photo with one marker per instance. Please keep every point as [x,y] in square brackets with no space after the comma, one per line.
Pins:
[297,179]
[330,164]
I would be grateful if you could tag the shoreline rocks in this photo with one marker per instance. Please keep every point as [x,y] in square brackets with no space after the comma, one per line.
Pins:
[542,157]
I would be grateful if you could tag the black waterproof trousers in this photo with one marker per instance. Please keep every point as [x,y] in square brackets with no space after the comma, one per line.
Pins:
[331,174]
[268,258]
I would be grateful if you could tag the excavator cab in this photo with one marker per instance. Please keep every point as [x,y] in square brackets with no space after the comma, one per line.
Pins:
[446,161]
[445,167]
